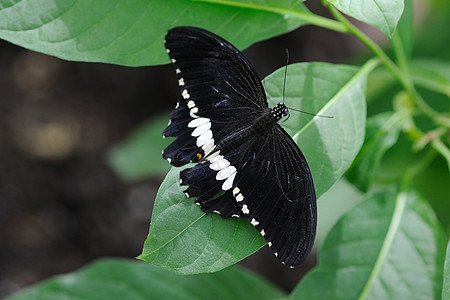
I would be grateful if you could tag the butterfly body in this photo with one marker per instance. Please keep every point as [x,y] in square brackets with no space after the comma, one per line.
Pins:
[247,165]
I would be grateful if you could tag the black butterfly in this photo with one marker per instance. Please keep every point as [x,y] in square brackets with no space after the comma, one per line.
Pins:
[247,165]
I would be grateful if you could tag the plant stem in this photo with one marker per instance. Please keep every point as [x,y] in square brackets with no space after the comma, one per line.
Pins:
[400,52]
[401,76]
[440,147]
[412,171]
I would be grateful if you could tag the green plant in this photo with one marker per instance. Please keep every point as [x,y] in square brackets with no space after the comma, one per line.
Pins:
[390,245]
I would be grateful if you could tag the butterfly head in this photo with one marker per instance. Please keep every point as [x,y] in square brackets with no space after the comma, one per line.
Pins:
[279,111]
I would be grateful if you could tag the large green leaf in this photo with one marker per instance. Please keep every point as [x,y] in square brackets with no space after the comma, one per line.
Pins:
[139,155]
[132,280]
[383,14]
[446,286]
[390,246]
[214,243]
[131,32]
[382,133]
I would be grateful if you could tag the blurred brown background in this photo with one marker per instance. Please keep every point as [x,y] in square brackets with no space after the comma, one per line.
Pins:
[61,206]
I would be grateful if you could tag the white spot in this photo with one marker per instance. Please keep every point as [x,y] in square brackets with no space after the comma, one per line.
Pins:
[204,138]
[185,94]
[169,160]
[178,71]
[219,163]
[164,41]
[263,233]
[162,151]
[217,212]
[191,103]
[291,267]
[181,181]
[181,82]
[213,156]
[228,184]
[192,113]
[235,216]
[164,136]
[196,203]
[170,122]
[197,122]
[178,105]
[167,50]
[201,129]
[236,191]
[239,197]
[254,222]
[270,244]
[276,253]
[208,147]
[225,173]
[187,195]
[173,60]
[245,209]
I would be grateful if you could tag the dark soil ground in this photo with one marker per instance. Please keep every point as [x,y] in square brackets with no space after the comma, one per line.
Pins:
[61,206]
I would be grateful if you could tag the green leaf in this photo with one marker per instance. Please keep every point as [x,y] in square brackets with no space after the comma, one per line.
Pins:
[383,14]
[390,246]
[446,287]
[185,240]
[382,132]
[329,145]
[139,155]
[214,243]
[433,74]
[133,280]
[132,32]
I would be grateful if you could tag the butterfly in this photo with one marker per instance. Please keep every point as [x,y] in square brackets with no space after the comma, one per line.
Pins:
[247,165]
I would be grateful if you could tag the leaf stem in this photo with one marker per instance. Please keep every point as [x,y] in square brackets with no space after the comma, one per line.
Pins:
[440,147]
[400,52]
[401,76]
[415,169]
[298,14]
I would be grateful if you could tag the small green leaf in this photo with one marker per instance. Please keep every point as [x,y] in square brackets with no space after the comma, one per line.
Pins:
[133,280]
[390,246]
[214,243]
[383,14]
[139,155]
[382,133]
[185,240]
[432,74]
[446,287]
[132,32]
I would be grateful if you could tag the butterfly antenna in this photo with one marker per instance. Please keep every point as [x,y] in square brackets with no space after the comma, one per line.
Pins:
[285,73]
[311,114]
[284,89]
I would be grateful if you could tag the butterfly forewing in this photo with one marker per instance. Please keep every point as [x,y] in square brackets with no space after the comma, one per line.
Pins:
[248,166]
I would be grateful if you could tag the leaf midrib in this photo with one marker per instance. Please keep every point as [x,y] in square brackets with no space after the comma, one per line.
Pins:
[400,205]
